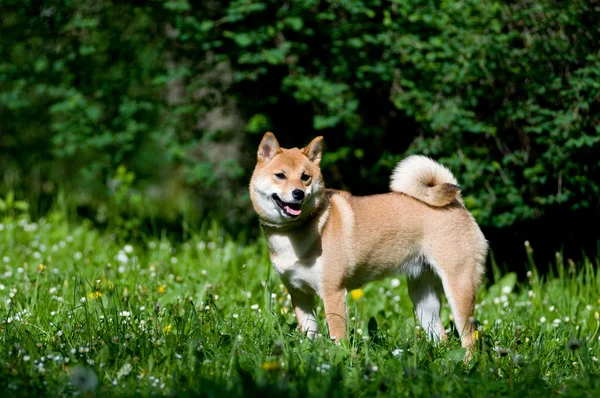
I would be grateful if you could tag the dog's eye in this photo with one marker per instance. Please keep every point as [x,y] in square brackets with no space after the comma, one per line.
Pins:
[280,176]
[305,177]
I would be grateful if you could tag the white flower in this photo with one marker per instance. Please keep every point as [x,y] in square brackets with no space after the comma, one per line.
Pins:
[128,249]
[122,257]
[254,306]
[397,352]
[543,319]
[395,282]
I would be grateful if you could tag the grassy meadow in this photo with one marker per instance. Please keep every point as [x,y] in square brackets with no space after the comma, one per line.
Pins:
[86,314]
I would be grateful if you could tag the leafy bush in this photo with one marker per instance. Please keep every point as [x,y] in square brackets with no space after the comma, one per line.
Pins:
[505,94]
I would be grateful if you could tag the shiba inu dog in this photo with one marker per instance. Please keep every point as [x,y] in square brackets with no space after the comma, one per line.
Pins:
[326,242]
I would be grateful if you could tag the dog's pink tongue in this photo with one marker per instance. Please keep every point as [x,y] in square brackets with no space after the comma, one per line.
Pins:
[293,211]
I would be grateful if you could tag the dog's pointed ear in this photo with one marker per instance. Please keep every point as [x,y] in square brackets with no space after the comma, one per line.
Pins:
[268,148]
[314,150]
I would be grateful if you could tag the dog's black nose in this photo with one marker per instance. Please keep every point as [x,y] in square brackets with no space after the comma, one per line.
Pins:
[298,194]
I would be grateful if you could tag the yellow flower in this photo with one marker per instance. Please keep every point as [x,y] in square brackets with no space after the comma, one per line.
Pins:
[167,329]
[476,334]
[356,294]
[162,289]
[95,295]
[41,268]
[272,365]
[284,310]
[597,315]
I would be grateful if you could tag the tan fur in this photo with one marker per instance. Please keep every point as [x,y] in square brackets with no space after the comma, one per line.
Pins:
[339,242]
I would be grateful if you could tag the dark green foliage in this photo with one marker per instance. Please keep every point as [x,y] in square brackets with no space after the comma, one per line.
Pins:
[505,94]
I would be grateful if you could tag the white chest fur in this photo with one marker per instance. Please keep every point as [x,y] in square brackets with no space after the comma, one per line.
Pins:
[297,261]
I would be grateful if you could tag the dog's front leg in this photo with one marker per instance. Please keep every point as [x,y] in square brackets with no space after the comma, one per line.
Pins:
[304,304]
[334,301]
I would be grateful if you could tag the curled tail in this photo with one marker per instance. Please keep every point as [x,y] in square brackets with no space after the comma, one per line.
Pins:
[425,179]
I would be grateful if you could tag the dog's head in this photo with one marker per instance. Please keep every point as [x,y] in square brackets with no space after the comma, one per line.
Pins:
[286,184]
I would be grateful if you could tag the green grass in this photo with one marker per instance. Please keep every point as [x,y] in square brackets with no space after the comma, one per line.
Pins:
[84,315]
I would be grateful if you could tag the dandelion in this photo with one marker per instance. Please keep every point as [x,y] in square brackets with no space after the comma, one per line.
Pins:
[162,289]
[517,360]
[356,294]
[476,334]
[574,344]
[501,351]
[270,366]
[84,379]
[41,268]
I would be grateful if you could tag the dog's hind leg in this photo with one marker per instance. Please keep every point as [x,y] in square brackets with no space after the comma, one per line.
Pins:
[460,287]
[424,291]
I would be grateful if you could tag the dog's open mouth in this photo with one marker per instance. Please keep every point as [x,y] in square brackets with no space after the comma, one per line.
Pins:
[291,210]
